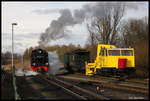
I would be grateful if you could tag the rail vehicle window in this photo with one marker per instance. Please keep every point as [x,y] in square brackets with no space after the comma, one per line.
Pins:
[106,52]
[102,52]
[126,52]
[114,52]
[92,69]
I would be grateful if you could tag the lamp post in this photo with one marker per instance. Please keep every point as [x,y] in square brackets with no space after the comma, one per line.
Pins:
[13,70]
[13,44]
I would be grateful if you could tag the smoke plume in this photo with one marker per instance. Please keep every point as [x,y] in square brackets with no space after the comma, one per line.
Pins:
[58,28]
[54,63]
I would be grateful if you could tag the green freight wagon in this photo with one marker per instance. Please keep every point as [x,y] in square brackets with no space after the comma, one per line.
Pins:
[75,60]
[67,62]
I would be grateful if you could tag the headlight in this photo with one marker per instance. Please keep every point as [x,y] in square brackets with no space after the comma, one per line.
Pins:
[40,51]
[33,64]
[46,63]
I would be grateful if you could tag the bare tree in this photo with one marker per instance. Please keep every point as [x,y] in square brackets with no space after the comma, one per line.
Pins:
[135,31]
[105,29]
[92,38]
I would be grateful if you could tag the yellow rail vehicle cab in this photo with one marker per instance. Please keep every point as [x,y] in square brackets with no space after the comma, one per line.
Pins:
[112,61]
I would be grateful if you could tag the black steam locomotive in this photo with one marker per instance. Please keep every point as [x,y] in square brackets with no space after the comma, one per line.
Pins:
[39,61]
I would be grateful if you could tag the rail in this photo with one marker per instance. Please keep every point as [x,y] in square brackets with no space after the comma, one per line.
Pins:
[82,91]
[110,85]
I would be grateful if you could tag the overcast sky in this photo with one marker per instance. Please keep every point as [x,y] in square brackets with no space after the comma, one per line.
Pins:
[34,17]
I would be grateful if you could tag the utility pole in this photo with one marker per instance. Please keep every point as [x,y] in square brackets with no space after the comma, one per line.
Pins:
[13,44]
[13,67]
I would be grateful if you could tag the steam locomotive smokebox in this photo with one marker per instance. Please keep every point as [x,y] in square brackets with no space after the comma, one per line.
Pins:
[39,60]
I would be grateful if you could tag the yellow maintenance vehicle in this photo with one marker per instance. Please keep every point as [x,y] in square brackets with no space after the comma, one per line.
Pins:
[111,60]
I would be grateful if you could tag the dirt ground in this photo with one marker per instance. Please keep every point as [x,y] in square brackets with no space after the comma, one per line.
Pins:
[7,91]
[18,65]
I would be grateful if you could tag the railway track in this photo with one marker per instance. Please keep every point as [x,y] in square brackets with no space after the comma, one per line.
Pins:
[116,82]
[74,90]
[122,88]
[114,79]
[126,79]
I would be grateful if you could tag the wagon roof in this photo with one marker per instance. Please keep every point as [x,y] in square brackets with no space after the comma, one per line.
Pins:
[77,51]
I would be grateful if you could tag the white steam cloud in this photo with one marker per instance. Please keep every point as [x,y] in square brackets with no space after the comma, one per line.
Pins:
[20,72]
[54,63]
